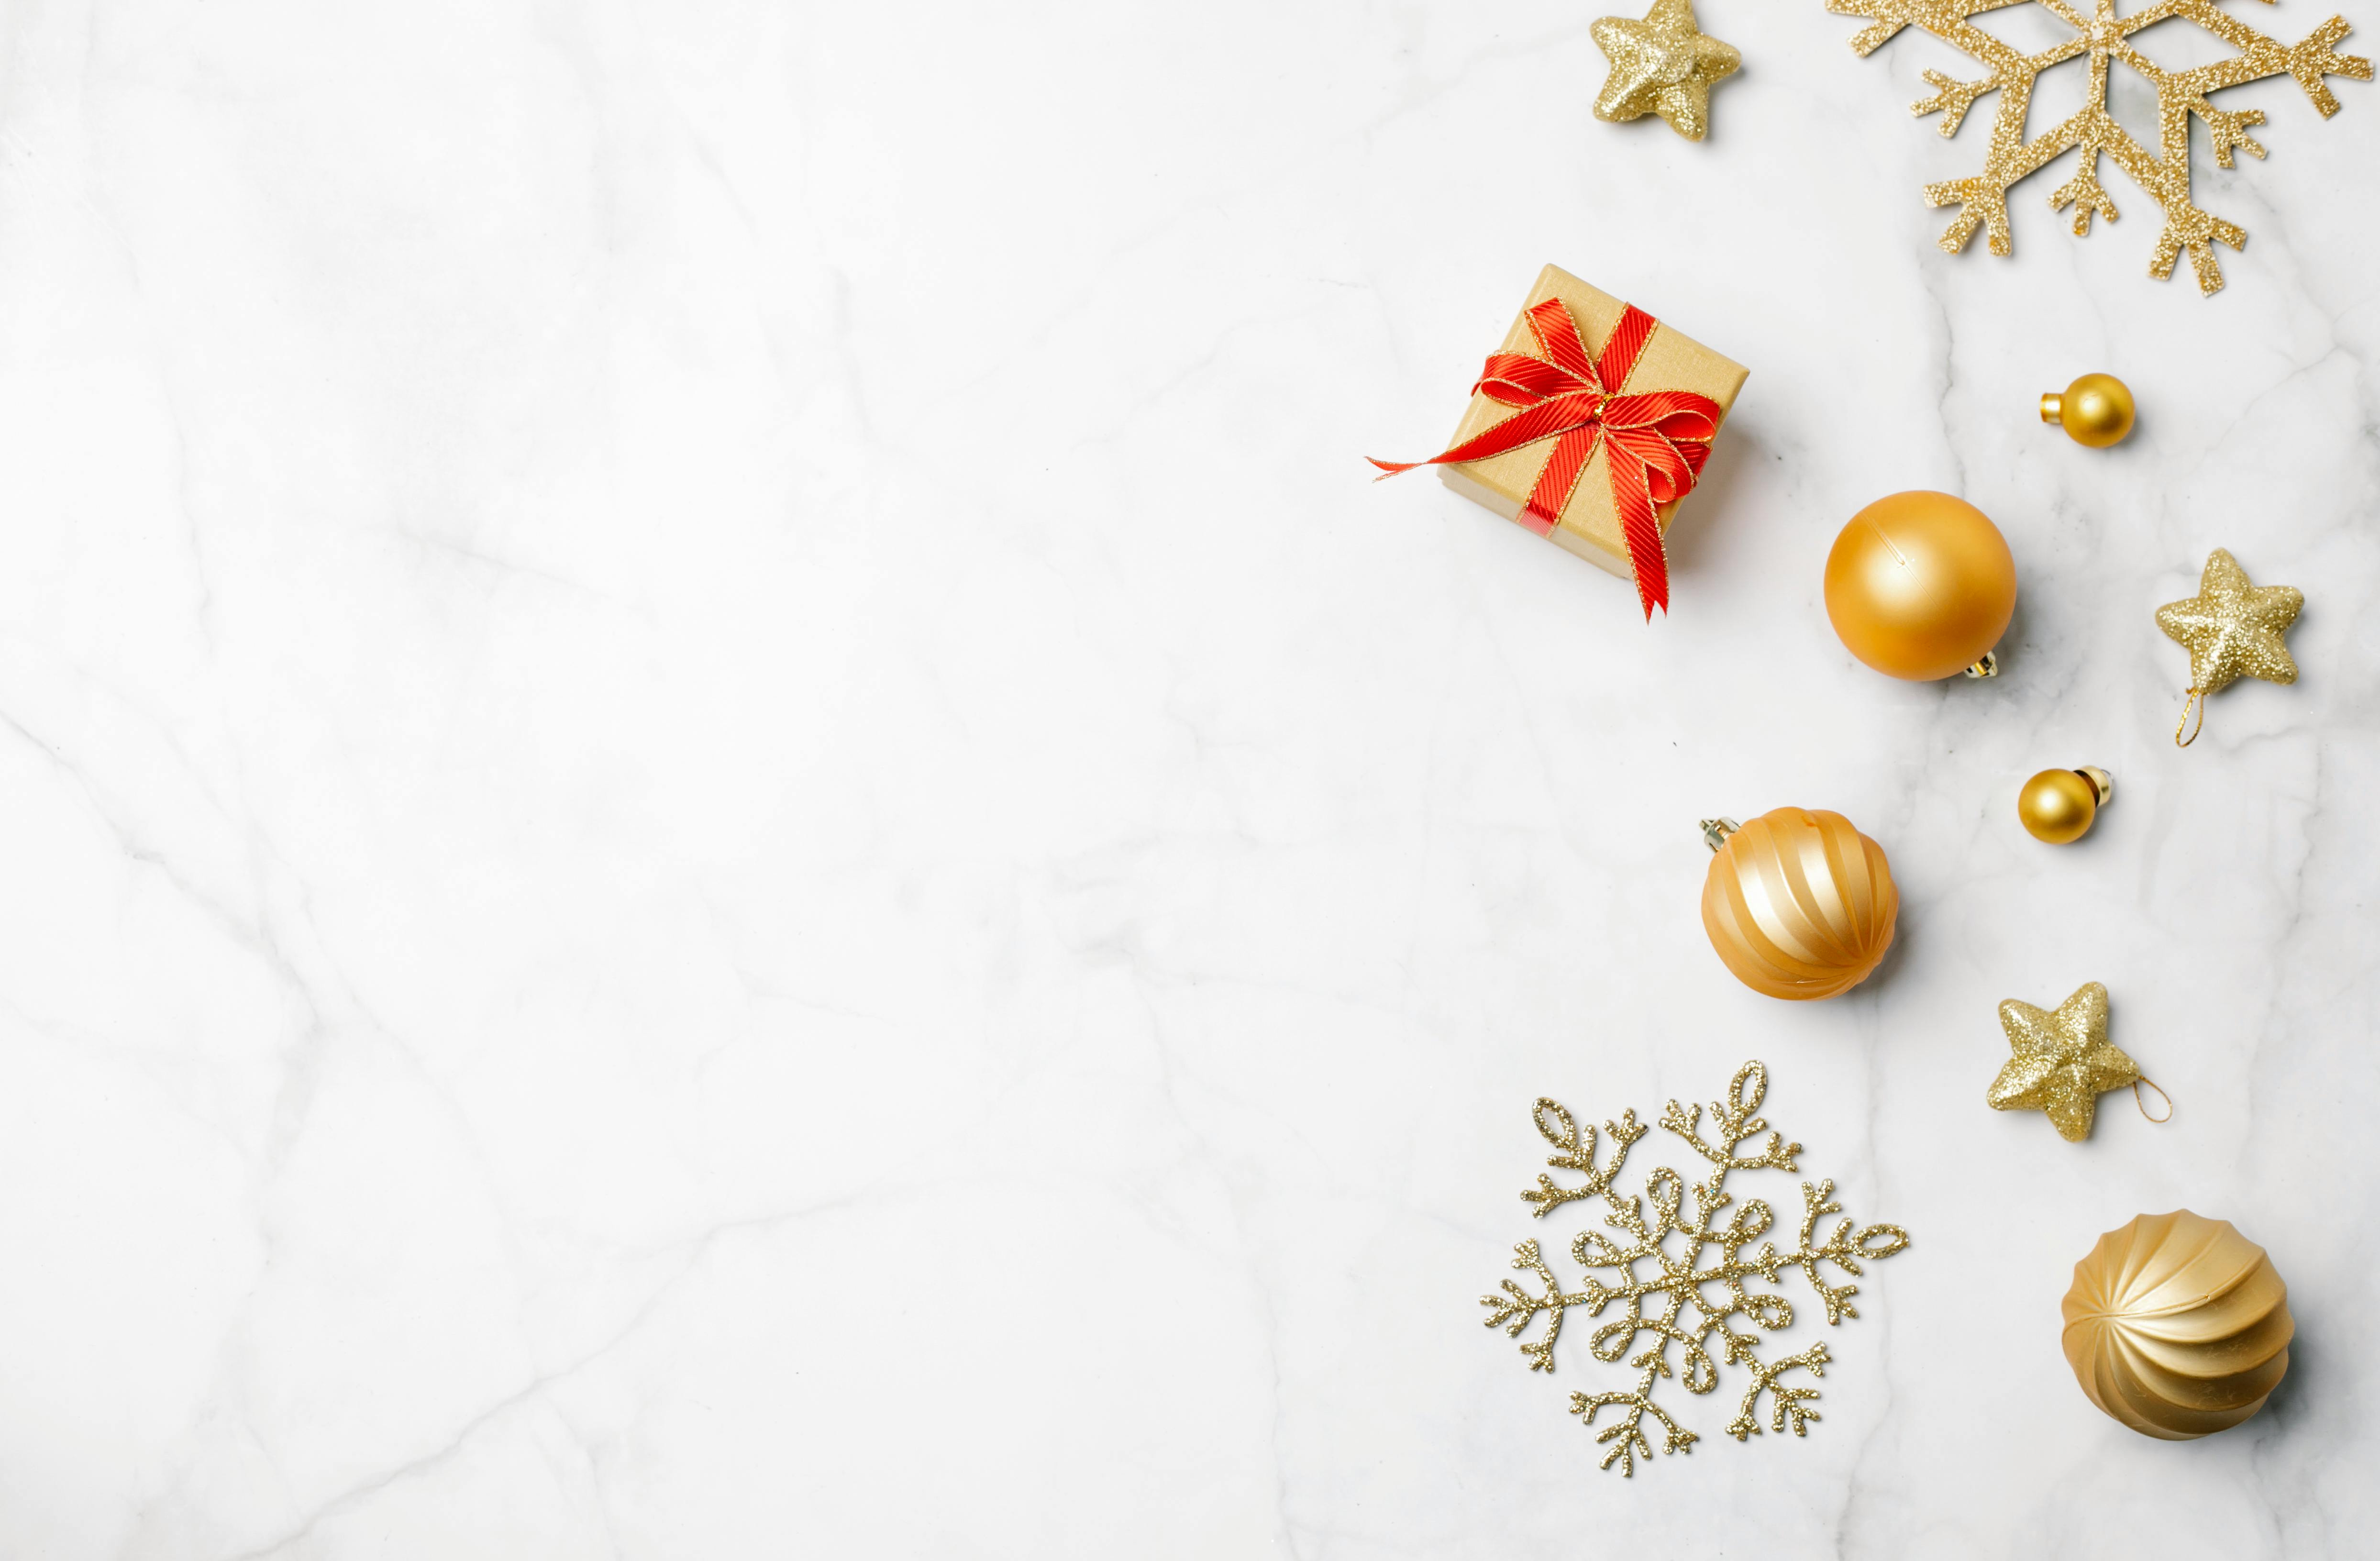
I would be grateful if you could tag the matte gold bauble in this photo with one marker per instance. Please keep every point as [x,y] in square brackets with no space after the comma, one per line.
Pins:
[2177,1326]
[2095,410]
[2059,806]
[1920,585]
[1798,904]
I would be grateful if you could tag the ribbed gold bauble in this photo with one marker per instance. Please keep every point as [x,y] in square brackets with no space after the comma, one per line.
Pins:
[1799,903]
[2059,806]
[1920,585]
[2096,410]
[2177,1326]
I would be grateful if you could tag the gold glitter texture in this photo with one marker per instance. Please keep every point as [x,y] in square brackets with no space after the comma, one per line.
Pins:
[2233,629]
[2061,1062]
[1663,65]
[2106,38]
[1683,1300]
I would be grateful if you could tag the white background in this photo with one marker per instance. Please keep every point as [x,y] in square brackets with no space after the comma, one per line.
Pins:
[728,829]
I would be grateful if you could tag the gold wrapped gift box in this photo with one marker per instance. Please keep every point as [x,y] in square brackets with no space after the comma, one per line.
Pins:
[1590,525]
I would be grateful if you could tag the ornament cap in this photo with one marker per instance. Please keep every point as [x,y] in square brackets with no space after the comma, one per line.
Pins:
[2101,783]
[1987,665]
[1716,830]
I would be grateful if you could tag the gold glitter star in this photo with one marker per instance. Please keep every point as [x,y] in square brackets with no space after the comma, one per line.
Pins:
[2063,1061]
[2233,629]
[1662,64]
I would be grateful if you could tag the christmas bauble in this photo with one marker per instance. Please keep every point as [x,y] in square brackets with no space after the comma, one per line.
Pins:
[2096,410]
[2059,806]
[2177,1325]
[1798,904]
[1920,585]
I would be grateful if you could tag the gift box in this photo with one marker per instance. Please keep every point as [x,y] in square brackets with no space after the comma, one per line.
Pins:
[1589,425]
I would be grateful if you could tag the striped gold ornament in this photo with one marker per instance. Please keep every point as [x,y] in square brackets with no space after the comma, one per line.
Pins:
[1798,904]
[2177,1326]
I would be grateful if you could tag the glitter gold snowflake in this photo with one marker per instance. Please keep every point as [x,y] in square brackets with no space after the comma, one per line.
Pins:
[2107,39]
[1673,1315]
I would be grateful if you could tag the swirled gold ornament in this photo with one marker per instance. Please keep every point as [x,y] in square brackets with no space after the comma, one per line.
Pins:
[1798,904]
[2177,1326]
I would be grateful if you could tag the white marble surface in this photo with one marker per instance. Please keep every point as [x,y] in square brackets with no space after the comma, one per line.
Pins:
[731,831]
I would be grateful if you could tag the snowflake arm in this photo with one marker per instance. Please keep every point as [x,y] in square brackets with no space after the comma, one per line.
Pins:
[1577,1154]
[1844,1249]
[2309,61]
[1891,16]
[1733,1120]
[1516,1307]
[1787,1401]
[1627,1434]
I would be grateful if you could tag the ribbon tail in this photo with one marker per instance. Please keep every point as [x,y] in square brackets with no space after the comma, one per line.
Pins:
[1557,478]
[1640,526]
[1545,419]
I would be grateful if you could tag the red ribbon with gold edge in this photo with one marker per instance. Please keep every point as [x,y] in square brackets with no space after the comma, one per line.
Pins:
[1656,441]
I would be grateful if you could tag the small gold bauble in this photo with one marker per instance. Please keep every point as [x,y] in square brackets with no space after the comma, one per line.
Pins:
[2059,806]
[1920,585]
[1798,904]
[2177,1326]
[2095,410]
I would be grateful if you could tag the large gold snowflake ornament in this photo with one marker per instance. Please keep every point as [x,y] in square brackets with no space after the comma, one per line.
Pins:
[2107,39]
[1683,1300]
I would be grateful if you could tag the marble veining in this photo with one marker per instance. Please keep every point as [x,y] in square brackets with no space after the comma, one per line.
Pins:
[732,831]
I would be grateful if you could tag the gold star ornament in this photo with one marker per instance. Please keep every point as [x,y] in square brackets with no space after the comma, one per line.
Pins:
[2232,630]
[1663,65]
[2062,1061]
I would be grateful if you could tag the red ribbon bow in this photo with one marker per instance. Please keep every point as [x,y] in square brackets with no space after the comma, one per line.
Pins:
[1657,441]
